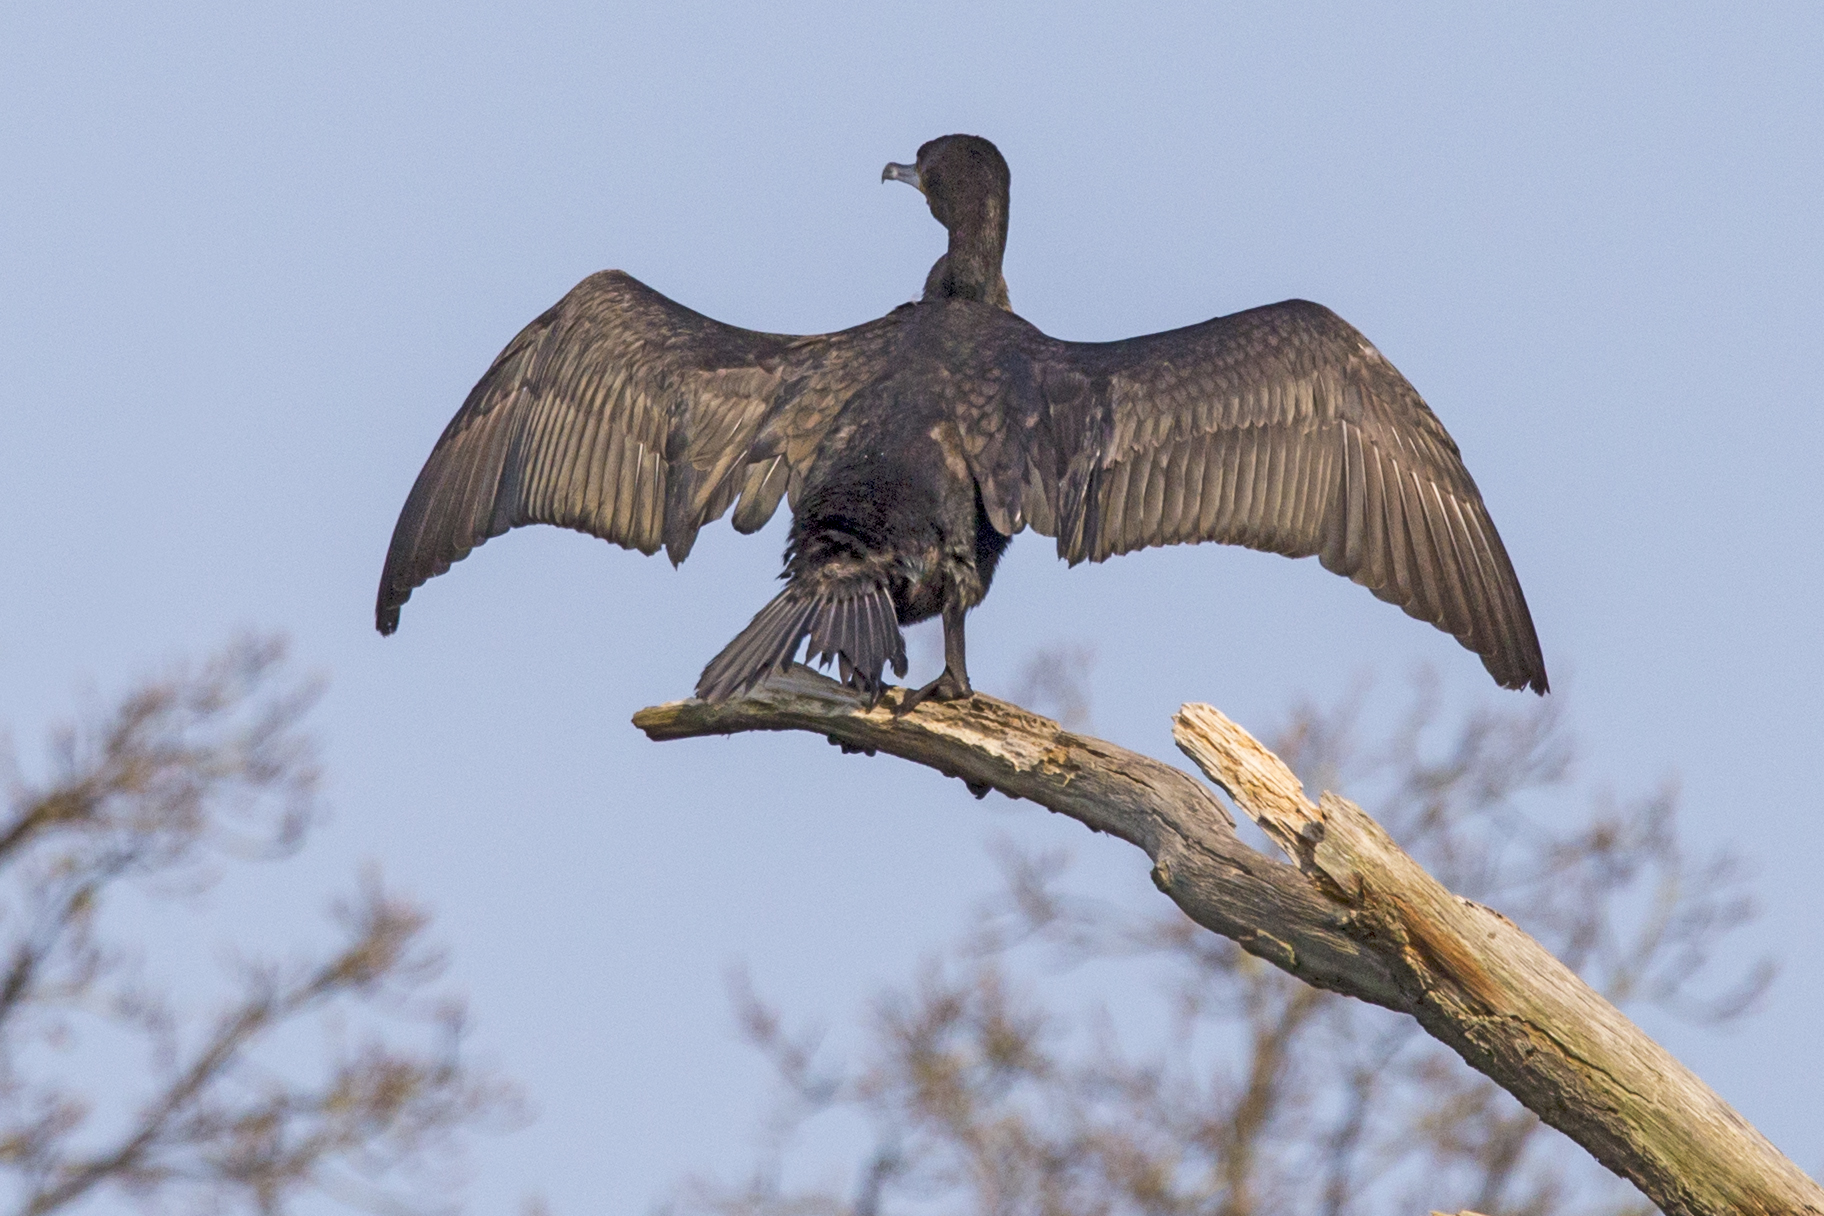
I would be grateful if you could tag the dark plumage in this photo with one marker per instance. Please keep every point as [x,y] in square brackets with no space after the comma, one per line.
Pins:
[912,449]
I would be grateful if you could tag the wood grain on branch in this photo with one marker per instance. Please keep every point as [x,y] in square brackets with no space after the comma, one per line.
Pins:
[1352,913]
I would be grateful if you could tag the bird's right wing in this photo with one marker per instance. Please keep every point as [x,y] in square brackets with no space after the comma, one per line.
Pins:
[1280,428]
[623,414]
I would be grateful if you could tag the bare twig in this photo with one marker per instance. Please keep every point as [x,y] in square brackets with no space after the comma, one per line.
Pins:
[205,767]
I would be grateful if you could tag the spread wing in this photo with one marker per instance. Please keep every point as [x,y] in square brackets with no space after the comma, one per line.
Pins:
[1280,429]
[623,414]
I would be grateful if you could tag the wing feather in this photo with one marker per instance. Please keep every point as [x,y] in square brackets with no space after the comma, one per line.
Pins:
[1181,476]
[1229,447]
[1452,608]
[601,437]
[1306,463]
[1424,599]
[1488,574]
[1247,444]
[654,485]
[1401,584]
[760,493]
[1271,514]
[1264,510]
[1037,499]
[1373,571]
[1152,502]
[1113,517]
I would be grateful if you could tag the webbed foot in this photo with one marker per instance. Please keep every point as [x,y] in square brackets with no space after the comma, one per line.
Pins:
[947,687]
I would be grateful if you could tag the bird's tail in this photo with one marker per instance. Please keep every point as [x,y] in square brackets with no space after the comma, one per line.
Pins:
[853,623]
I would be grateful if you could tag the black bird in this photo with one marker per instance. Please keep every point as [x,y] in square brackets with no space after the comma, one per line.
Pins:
[914,447]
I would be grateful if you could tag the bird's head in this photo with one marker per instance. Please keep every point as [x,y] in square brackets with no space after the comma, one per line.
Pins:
[966,181]
[960,176]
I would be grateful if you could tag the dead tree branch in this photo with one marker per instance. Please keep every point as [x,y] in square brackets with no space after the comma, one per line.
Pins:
[1353,914]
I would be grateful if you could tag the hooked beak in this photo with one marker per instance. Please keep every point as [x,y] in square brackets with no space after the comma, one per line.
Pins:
[902,173]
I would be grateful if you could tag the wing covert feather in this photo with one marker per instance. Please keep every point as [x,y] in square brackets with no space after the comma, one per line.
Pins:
[1281,429]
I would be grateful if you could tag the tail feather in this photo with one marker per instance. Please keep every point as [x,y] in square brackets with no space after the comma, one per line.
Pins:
[882,619]
[858,627]
[829,632]
[767,644]
[854,624]
[848,638]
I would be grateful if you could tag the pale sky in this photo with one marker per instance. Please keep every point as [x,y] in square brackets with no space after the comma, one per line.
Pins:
[253,257]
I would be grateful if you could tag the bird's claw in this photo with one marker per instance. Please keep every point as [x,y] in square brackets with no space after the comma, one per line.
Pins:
[947,687]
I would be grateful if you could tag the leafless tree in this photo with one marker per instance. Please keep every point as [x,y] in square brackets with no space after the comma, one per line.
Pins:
[116,1087]
[982,1094]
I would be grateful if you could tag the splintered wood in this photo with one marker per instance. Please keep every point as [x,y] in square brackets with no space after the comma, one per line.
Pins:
[1258,781]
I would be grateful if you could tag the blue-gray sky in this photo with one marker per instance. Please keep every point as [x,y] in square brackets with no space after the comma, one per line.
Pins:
[251,258]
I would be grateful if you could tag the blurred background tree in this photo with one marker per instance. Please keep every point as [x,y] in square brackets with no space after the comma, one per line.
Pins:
[116,1088]
[1066,1057]
[982,1091]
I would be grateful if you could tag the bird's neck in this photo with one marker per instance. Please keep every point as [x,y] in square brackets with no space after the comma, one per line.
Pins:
[971,269]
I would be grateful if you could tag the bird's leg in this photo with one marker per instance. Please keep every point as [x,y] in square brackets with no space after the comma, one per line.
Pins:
[953,684]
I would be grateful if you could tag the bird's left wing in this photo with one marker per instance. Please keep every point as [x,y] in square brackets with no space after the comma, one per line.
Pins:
[623,414]
[1281,429]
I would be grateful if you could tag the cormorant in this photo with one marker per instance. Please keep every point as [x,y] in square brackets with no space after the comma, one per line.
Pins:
[914,447]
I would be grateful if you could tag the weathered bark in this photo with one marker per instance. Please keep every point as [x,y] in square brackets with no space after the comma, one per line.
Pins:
[1353,914]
